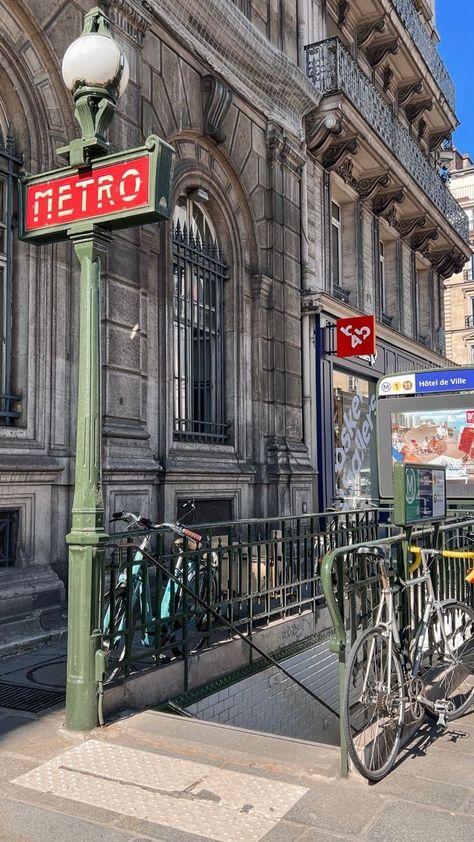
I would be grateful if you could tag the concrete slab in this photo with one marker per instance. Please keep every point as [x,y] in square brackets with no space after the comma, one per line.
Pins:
[412,822]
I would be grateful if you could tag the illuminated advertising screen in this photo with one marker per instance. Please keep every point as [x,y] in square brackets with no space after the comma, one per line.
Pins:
[435,429]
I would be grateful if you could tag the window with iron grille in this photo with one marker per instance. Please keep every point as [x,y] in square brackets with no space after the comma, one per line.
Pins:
[8,166]
[8,536]
[199,273]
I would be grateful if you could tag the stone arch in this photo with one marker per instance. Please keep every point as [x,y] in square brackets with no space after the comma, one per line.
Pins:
[32,88]
[199,164]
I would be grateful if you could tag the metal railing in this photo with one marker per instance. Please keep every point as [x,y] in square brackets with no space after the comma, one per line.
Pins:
[249,573]
[411,20]
[332,70]
[352,587]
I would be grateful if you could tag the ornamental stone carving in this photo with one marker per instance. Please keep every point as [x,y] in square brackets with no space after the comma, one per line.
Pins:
[378,51]
[334,153]
[366,31]
[384,201]
[408,91]
[217,101]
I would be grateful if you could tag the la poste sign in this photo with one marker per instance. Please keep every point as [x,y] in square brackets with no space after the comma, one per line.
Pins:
[355,337]
[117,191]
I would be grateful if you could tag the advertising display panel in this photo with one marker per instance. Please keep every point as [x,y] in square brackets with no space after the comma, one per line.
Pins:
[427,418]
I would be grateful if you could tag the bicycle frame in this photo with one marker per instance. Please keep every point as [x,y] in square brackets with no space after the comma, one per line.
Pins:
[433,606]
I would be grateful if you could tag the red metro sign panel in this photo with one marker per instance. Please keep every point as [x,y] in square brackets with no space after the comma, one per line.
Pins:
[355,337]
[116,191]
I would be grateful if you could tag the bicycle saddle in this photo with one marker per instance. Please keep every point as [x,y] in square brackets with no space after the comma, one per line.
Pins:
[375,552]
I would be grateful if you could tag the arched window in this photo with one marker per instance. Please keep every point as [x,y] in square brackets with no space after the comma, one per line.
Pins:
[8,165]
[199,272]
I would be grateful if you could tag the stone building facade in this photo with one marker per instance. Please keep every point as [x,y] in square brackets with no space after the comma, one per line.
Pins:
[459,288]
[300,171]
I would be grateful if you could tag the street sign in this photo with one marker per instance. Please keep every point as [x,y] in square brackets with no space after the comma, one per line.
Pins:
[355,337]
[419,494]
[115,191]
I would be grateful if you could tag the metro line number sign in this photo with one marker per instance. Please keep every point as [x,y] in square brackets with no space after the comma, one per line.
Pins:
[116,191]
[355,337]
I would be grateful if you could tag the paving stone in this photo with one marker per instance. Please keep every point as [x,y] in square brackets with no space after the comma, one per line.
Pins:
[28,823]
[404,821]
[342,807]
[422,791]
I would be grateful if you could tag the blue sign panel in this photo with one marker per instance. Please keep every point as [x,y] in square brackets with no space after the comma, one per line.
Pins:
[446,380]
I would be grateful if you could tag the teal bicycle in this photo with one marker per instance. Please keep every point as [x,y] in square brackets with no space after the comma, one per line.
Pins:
[129,603]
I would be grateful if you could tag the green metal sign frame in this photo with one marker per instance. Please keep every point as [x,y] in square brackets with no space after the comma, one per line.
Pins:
[419,494]
[158,207]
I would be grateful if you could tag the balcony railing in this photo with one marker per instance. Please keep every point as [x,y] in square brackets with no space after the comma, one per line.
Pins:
[412,23]
[333,70]
[467,275]
[468,321]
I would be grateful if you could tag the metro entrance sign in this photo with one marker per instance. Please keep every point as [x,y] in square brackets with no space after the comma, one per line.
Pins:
[83,202]
[115,191]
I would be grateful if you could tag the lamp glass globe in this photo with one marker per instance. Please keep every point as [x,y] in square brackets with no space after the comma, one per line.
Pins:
[94,60]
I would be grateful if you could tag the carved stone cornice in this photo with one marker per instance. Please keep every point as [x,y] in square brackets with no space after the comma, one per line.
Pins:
[261,287]
[436,138]
[344,170]
[384,201]
[334,153]
[407,226]
[320,130]
[420,238]
[416,108]
[446,261]
[366,31]
[379,50]
[408,91]
[367,186]
[342,12]
[217,101]
[128,20]
[387,76]
[282,149]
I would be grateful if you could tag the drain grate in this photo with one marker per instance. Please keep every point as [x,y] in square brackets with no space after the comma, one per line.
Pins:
[31,699]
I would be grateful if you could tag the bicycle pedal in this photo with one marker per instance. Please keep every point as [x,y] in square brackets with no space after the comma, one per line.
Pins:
[442,719]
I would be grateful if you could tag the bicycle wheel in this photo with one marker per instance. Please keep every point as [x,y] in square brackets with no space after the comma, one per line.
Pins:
[373,706]
[448,670]
[194,635]
[114,640]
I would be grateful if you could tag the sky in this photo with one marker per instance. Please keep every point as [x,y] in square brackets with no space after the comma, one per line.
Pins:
[455,25]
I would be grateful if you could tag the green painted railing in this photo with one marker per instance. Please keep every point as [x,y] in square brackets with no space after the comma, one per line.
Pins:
[351,586]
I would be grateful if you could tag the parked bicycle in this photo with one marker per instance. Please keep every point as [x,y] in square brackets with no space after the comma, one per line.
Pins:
[128,605]
[389,676]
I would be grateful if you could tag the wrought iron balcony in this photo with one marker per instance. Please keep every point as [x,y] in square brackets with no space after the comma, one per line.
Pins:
[468,321]
[333,71]
[411,21]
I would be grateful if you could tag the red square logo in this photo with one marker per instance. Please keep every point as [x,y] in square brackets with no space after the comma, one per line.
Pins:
[355,337]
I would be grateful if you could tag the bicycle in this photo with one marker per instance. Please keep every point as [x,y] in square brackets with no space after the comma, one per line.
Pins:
[128,605]
[388,676]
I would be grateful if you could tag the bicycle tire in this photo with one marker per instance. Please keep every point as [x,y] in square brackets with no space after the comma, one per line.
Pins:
[373,727]
[195,639]
[456,682]
[120,611]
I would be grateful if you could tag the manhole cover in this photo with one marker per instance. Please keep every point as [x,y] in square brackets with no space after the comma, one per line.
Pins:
[32,699]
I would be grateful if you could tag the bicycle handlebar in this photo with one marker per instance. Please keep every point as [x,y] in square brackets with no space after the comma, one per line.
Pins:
[139,520]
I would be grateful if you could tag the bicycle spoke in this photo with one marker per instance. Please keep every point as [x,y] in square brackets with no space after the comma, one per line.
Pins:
[374,705]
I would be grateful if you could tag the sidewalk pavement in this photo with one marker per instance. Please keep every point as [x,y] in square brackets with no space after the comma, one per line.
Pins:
[155,776]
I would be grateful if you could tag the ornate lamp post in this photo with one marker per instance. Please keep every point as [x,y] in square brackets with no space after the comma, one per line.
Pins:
[96,193]
[96,71]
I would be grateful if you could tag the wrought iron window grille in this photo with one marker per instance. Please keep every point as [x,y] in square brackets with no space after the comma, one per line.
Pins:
[9,163]
[8,536]
[199,273]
